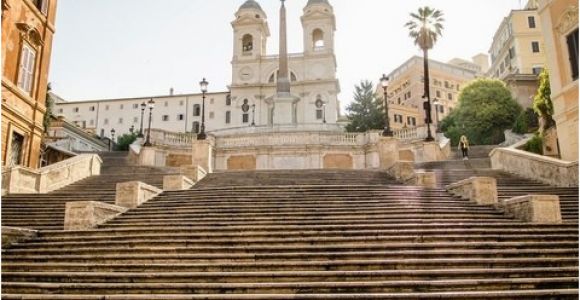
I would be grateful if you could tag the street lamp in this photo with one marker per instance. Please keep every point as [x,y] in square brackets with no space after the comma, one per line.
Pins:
[112,138]
[253,114]
[151,105]
[324,113]
[385,84]
[436,105]
[203,85]
[143,106]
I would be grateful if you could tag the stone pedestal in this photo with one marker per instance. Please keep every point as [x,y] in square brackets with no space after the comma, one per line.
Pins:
[151,156]
[134,193]
[82,215]
[177,183]
[482,190]
[202,154]
[388,148]
[285,109]
[195,173]
[426,179]
[541,209]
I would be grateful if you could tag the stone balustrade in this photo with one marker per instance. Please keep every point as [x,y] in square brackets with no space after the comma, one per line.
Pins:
[481,190]
[541,209]
[177,183]
[168,138]
[412,133]
[134,193]
[297,139]
[536,167]
[22,180]
[83,215]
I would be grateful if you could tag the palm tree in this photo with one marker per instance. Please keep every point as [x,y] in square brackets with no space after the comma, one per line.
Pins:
[425,27]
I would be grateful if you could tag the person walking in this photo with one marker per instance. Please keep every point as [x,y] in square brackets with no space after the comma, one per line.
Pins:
[464,147]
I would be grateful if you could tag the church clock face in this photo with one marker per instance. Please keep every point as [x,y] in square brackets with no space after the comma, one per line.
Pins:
[246,73]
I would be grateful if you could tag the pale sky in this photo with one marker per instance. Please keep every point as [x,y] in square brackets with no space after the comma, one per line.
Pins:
[135,48]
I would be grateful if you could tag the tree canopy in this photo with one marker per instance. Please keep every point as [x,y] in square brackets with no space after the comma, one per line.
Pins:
[366,111]
[543,105]
[486,108]
[425,26]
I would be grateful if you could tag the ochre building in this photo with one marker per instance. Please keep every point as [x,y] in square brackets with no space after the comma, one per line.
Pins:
[27,33]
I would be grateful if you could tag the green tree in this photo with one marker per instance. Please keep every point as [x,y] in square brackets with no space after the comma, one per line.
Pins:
[425,27]
[486,108]
[124,141]
[366,111]
[543,102]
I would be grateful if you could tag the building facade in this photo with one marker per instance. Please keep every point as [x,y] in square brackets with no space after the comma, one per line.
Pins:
[27,34]
[312,75]
[518,54]
[406,89]
[560,27]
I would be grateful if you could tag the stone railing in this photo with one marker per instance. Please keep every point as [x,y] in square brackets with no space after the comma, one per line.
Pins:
[536,167]
[22,180]
[167,138]
[414,133]
[297,139]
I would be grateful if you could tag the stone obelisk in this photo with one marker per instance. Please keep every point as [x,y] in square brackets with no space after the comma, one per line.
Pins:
[284,103]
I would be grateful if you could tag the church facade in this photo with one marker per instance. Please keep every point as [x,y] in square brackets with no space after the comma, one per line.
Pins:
[250,100]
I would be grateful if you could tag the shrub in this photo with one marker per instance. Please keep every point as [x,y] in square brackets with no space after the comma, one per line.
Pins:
[534,145]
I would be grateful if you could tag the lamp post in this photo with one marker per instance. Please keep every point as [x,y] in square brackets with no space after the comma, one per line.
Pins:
[143,106]
[436,105]
[385,84]
[151,105]
[203,85]
[253,114]
[112,138]
[324,113]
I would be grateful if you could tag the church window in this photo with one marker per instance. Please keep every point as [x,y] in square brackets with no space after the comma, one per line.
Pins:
[318,39]
[196,110]
[319,107]
[245,110]
[247,43]
[195,127]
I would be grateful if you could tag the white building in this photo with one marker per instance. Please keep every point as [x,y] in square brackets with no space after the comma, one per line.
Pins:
[254,83]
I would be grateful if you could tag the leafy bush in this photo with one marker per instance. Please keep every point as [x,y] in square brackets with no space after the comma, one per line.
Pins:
[534,145]
[526,122]
[124,141]
[486,108]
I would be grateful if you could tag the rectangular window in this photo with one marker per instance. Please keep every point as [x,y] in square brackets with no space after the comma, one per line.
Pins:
[60,110]
[92,122]
[76,109]
[536,47]
[319,114]
[106,121]
[228,117]
[106,107]
[166,104]
[165,118]
[181,103]
[446,84]
[537,70]
[450,96]
[92,108]
[512,52]
[41,5]
[120,120]
[531,22]
[136,120]
[572,41]
[441,109]
[211,114]
[180,117]
[438,94]
[245,118]
[26,70]
[135,105]
[121,106]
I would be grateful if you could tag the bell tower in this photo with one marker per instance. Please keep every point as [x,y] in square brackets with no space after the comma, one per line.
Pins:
[251,32]
[319,25]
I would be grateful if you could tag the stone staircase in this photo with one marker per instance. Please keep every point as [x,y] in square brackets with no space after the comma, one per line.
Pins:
[508,185]
[243,235]
[46,211]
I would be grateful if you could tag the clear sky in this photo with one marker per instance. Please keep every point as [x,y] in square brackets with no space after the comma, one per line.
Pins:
[133,48]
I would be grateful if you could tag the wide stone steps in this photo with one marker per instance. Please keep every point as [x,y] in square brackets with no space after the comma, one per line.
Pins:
[560,294]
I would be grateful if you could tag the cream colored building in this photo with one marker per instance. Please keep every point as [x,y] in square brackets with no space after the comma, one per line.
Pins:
[406,87]
[518,54]
[560,28]
[312,75]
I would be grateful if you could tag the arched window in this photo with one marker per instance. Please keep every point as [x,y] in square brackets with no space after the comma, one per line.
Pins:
[195,127]
[274,77]
[196,110]
[318,39]
[247,43]
[319,107]
[245,112]
[228,99]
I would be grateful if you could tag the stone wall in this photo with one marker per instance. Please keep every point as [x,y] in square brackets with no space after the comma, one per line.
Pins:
[536,167]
